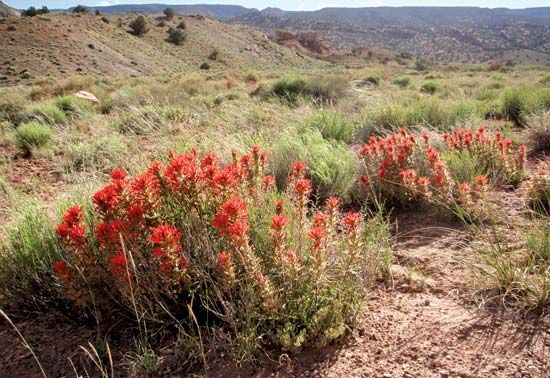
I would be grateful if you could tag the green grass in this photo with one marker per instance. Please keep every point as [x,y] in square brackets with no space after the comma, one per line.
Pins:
[29,136]
[332,126]
[430,87]
[46,112]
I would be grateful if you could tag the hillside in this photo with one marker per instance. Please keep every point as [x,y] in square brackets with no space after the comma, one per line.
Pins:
[7,11]
[442,34]
[64,44]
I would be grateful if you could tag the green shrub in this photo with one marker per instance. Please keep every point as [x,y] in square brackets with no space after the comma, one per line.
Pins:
[32,135]
[519,104]
[373,80]
[169,13]
[538,191]
[176,36]
[204,66]
[487,96]
[432,113]
[382,119]
[289,88]
[430,87]
[72,106]
[332,164]
[139,26]
[332,126]
[402,82]
[46,112]
[81,9]
[421,65]
[12,108]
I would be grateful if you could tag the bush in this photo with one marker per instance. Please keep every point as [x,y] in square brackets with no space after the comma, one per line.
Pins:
[12,108]
[421,65]
[194,244]
[182,25]
[73,107]
[332,164]
[332,126]
[430,87]
[204,66]
[139,26]
[432,113]
[32,11]
[46,112]
[102,154]
[169,13]
[176,36]
[81,9]
[402,82]
[32,135]
[373,80]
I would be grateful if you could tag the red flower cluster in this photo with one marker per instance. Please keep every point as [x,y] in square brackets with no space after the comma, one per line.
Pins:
[166,241]
[72,231]
[391,166]
[231,220]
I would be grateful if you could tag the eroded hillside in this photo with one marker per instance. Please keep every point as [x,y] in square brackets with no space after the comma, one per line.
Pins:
[65,44]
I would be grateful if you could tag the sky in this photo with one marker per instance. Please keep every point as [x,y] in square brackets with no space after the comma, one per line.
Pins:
[290,4]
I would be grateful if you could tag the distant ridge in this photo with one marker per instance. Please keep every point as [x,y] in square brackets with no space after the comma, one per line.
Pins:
[210,10]
[7,11]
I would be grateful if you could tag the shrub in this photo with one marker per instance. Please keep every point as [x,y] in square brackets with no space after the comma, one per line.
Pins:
[332,126]
[430,87]
[32,11]
[519,104]
[182,25]
[381,119]
[46,112]
[538,132]
[432,113]
[81,9]
[204,66]
[538,191]
[176,36]
[402,82]
[373,80]
[252,259]
[139,26]
[332,164]
[32,135]
[251,77]
[289,88]
[73,107]
[169,13]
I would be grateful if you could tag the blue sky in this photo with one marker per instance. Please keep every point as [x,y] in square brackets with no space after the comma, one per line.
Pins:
[292,5]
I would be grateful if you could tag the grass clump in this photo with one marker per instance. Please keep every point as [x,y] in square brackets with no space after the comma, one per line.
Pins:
[538,192]
[47,113]
[521,277]
[332,126]
[332,165]
[103,154]
[538,136]
[519,104]
[30,136]
[402,82]
[430,87]
[373,80]
[324,90]
[149,119]
[73,107]
[26,257]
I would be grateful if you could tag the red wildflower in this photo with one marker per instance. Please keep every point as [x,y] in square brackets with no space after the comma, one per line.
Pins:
[118,174]
[232,218]
[166,239]
[268,182]
[119,264]
[298,169]
[278,222]
[317,234]
[61,270]
[351,221]
[303,187]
